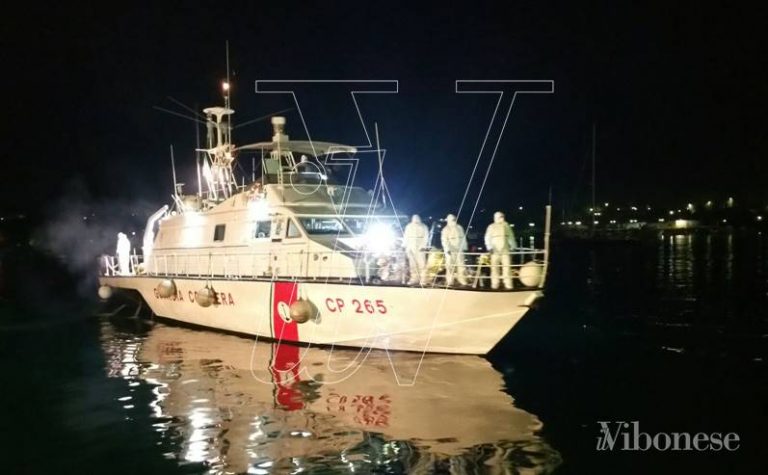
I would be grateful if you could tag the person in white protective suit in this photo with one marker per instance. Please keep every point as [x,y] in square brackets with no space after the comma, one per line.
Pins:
[123,254]
[415,243]
[454,244]
[500,240]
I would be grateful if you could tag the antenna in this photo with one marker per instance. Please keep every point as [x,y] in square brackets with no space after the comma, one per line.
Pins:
[186,107]
[199,178]
[226,46]
[594,145]
[162,109]
[263,117]
[381,164]
[173,168]
[197,159]
[226,87]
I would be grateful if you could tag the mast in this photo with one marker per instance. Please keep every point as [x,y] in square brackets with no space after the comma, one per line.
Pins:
[594,135]
[197,160]
[226,89]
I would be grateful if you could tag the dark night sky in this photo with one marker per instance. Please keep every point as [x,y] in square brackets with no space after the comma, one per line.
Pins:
[678,92]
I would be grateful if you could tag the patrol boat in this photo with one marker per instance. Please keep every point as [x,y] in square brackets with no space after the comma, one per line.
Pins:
[302,255]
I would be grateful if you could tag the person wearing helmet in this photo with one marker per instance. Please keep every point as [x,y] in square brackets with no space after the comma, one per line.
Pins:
[454,244]
[415,241]
[500,240]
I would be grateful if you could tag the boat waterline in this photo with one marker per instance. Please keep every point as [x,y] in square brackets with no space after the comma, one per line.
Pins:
[441,320]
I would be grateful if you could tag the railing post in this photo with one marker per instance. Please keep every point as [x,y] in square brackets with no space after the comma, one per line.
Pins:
[547,231]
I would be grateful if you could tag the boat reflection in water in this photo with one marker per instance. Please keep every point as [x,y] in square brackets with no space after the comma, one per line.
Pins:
[237,406]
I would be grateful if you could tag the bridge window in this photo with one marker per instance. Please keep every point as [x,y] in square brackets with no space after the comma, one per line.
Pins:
[293,229]
[322,225]
[261,229]
[218,232]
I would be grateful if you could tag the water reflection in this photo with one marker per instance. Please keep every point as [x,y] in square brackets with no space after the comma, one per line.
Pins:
[699,292]
[235,407]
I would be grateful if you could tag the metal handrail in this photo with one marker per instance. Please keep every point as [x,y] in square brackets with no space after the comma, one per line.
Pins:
[354,264]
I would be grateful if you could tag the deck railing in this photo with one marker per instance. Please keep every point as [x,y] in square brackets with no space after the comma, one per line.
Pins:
[527,269]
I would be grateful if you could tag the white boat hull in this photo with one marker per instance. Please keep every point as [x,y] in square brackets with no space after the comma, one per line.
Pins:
[436,320]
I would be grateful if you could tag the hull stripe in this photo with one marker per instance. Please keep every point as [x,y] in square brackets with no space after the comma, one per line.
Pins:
[283,295]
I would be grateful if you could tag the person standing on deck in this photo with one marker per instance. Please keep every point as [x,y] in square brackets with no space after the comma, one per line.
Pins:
[415,242]
[454,244]
[123,254]
[500,240]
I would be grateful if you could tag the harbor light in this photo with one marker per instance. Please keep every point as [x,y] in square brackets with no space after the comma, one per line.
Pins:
[759,218]
[531,225]
[225,86]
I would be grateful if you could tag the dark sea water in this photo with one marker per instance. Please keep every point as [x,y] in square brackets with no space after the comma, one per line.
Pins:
[671,333]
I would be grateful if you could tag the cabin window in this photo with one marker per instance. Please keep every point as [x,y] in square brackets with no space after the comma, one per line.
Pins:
[293,229]
[261,229]
[322,225]
[218,232]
